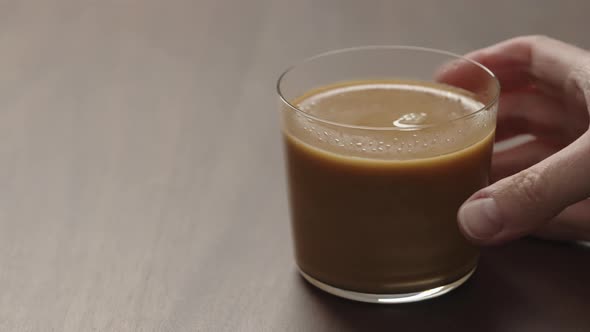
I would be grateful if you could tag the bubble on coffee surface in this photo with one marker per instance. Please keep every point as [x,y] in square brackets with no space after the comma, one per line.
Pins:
[411,120]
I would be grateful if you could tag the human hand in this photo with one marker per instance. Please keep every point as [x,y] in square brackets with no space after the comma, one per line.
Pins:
[541,187]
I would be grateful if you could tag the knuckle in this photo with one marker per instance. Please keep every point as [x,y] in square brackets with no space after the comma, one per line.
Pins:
[529,186]
[577,82]
[538,39]
[532,40]
[579,76]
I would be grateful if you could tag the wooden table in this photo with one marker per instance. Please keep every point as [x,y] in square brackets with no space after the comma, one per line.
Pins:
[141,180]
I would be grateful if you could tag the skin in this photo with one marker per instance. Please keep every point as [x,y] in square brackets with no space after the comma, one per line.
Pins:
[541,187]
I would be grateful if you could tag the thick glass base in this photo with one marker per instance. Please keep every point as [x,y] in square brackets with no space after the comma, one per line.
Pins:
[387,298]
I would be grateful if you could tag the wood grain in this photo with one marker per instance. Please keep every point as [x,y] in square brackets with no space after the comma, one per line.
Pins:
[141,177]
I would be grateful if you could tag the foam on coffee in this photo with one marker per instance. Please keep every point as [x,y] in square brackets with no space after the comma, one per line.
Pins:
[415,120]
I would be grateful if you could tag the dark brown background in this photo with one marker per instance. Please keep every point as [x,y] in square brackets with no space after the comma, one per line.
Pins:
[141,180]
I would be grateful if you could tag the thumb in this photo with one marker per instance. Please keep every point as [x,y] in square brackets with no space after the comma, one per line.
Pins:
[517,205]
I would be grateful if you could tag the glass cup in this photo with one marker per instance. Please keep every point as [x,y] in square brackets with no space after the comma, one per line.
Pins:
[373,208]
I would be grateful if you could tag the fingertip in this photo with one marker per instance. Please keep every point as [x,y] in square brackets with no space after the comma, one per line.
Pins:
[479,220]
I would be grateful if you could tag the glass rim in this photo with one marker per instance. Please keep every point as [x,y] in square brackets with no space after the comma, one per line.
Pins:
[289,69]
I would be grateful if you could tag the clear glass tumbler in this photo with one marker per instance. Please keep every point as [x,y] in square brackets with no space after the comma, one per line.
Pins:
[374,204]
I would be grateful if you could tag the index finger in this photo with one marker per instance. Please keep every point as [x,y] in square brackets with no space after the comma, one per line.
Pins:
[522,61]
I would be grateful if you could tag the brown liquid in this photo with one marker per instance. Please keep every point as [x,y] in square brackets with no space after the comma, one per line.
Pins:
[375,210]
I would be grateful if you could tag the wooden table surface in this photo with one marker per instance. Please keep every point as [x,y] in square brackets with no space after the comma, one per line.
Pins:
[141,177]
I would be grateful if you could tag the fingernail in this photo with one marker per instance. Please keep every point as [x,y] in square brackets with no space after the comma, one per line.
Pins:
[479,219]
